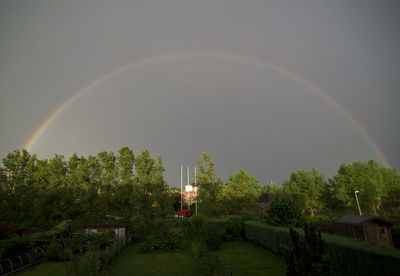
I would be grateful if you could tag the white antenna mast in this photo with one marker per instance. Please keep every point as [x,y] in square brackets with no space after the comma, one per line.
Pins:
[181,185]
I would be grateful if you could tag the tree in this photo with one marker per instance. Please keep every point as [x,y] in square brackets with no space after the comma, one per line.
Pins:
[240,191]
[125,162]
[307,184]
[209,185]
[377,185]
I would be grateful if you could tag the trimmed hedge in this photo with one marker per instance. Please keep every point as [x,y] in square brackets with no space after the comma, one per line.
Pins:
[347,256]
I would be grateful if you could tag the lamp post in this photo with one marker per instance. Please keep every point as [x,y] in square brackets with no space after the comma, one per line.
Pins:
[358,204]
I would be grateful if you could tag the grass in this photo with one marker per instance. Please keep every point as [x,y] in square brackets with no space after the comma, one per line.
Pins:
[132,262]
[247,259]
[47,269]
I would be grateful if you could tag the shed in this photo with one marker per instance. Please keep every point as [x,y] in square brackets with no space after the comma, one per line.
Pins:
[264,201]
[369,228]
[119,229]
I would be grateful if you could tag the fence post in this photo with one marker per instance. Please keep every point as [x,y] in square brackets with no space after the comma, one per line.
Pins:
[20,259]
[29,257]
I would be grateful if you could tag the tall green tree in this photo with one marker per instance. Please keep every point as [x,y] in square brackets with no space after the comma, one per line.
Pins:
[308,185]
[240,191]
[209,185]
[374,182]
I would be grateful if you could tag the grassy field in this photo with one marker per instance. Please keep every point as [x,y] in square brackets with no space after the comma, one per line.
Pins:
[131,262]
[246,259]
[47,269]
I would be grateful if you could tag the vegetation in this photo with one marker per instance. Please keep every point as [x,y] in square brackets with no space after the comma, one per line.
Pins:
[347,256]
[307,254]
[283,211]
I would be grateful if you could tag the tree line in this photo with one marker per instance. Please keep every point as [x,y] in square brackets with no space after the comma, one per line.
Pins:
[37,191]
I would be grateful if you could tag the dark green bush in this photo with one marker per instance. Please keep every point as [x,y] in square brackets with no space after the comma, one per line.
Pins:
[307,255]
[395,230]
[88,265]
[163,237]
[196,223]
[206,260]
[13,247]
[347,256]
[234,227]
[283,211]
[211,236]
[54,251]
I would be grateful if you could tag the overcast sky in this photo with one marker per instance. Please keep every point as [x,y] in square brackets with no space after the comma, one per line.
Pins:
[223,82]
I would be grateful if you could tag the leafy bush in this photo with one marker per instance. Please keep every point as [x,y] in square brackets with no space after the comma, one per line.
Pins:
[88,265]
[211,236]
[140,227]
[196,223]
[13,247]
[347,256]
[234,228]
[163,237]
[307,255]
[395,230]
[54,251]
[283,211]
[206,260]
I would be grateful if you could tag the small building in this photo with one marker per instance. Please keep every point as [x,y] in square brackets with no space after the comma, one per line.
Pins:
[264,201]
[119,229]
[369,228]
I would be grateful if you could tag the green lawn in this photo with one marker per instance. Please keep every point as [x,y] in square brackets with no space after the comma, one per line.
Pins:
[47,269]
[247,259]
[131,262]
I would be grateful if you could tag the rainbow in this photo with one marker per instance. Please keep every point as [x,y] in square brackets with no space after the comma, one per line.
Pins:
[156,58]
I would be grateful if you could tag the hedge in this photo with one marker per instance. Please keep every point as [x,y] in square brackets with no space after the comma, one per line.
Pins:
[347,256]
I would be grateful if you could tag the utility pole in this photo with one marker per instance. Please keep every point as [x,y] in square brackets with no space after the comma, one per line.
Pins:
[358,204]
[181,186]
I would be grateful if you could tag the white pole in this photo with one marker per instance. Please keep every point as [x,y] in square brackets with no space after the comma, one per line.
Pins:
[188,185]
[358,204]
[195,185]
[181,185]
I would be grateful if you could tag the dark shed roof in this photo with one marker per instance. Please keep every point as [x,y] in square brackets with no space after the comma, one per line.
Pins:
[357,220]
[266,197]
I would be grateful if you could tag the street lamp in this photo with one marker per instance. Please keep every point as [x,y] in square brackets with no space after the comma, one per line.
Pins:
[358,204]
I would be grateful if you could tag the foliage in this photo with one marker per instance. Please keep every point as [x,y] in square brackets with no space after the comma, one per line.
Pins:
[45,192]
[6,231]
[240,192]
[54,251]
[378,186]
[206,260]
[234,228]
[14,246]
[347,256]
[283,211]
[89,264]
[308,185]
[395,231]
[210,186]
[163,237]
[196,223]
[307,255]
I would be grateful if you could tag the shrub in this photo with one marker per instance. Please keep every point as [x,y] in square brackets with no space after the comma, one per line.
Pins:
[163,237]
[54,251]
[13,247]
[307,254]
[347,256]
[196,223]
[234,228]
[210,236]
[395,230]
[88,265]
[283,211]
[205,259]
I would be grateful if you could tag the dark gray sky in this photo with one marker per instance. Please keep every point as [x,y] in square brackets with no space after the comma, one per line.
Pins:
[245,114]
